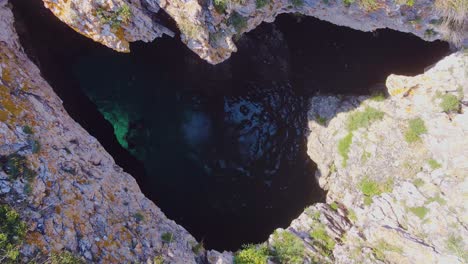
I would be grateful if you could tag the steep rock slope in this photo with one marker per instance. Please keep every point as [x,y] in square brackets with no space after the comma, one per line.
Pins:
[208,27]
[67,189]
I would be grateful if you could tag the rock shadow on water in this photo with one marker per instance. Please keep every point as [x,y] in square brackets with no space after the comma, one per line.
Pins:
[220,149]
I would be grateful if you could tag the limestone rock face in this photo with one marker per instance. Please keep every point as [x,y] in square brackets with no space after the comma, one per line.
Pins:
[406,194]
[113,23]
[65,186]
[208,27]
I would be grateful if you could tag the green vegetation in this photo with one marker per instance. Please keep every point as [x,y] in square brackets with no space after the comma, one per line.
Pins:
[419,211]
[322,240]
[238,21]
[415,130]
[197,248]
[365,156]
[12,234]
[449,103]
[321,120]
[378,97]
[436,199]
[261,3]
[220,5]
[363,119]
[334,206]
[251,254]
[434,164]
[28,130]
[343,148]
[35,146]
[371,188]
[16,166]
[369,5]
[356,120]
[297,3]
[455,245]
[158,260]
[383,246]
[189,29]
[348,2]
[167,237]
[418,182]
[115,18]
[288,248]
[65,257]
[352,215]
[406,2]
[139,217]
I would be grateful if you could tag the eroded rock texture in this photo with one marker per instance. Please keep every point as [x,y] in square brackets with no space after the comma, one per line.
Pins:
[208,27]
[64,184]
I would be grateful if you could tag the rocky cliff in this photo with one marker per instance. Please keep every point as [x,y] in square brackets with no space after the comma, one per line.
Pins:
[66,187]
[208,27]
[395,168]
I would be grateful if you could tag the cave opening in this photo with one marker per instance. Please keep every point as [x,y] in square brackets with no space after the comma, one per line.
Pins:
[220,149]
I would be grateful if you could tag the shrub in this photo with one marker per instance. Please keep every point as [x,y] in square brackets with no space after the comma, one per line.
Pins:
[455,245]
[12,234]
[65,257]
[369,5]
[436,199]
[434,164]
[288,248]
[158,260]
[167,237]
[363,119]
[220,5]
[378,97]
[35,146]
[352,215]
[322,239]
[371,188]
[415,130]
[321,120]
[115,18]
[343,148]
[28,130]
[334,206]
[139,217]
[383,246]
[297,3]
[449,103]
[16,166]
[419,211]
[238,21]
[348,2]
[251,254]
[197,248]
[261,3]
[418,182]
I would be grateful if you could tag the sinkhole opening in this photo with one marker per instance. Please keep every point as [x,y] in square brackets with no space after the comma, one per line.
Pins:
[220,149]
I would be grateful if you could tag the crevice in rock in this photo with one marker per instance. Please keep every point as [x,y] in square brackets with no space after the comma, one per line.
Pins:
[277,68]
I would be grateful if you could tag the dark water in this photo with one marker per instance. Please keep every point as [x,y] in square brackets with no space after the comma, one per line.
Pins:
[220,149]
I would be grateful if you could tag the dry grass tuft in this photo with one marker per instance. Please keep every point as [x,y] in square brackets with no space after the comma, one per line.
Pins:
[455,19]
